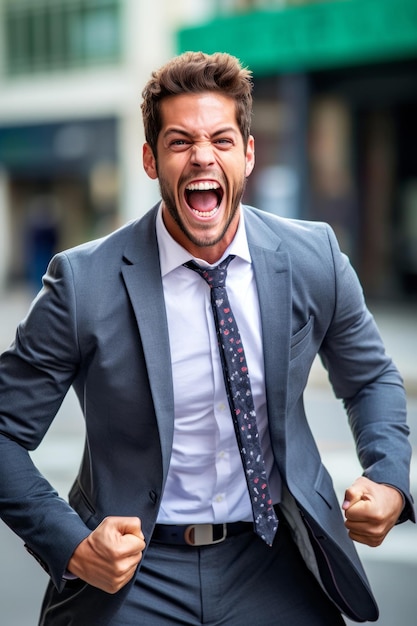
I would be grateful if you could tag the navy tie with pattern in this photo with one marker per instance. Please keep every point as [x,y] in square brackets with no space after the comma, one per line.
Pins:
[240,399]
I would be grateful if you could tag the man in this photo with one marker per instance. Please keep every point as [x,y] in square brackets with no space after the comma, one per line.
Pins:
[160,523]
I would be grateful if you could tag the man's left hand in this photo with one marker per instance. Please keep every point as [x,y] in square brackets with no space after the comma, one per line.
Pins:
[371,510]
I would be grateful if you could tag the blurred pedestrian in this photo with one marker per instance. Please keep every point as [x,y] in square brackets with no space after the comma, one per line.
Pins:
[42,233]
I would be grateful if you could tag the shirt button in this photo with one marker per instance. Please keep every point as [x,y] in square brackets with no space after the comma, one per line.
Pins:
[219,498]
[222,406]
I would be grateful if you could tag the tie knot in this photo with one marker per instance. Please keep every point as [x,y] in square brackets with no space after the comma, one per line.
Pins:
[215,276]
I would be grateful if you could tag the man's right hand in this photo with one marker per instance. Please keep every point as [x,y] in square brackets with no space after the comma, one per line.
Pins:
[108,557]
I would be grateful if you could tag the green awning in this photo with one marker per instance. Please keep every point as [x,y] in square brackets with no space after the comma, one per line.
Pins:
[313,36]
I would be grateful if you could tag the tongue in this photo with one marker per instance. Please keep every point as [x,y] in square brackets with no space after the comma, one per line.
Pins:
[202,200]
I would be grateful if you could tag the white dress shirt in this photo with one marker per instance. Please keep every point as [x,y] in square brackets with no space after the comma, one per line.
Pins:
[206,481]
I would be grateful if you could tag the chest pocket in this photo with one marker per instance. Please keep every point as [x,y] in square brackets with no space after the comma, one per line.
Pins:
[301,339]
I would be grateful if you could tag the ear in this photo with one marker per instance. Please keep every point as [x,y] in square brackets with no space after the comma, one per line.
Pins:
[149,162]
[250,155]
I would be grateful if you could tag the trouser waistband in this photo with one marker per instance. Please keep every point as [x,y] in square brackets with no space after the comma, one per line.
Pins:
[198,534]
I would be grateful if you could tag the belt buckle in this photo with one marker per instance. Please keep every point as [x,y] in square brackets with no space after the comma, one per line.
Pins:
[202,535]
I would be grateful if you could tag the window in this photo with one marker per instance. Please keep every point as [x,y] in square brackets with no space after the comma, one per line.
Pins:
[47,35]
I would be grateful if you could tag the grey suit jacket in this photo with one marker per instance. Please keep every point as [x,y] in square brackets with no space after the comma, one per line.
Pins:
[100,325]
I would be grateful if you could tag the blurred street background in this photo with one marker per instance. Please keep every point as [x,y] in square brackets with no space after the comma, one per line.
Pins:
[335,124]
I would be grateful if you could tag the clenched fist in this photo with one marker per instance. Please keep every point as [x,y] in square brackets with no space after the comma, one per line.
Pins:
[371,510]
[108,557]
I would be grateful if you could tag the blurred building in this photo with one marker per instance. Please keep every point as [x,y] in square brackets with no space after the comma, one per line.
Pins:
[335,120]
[71,76]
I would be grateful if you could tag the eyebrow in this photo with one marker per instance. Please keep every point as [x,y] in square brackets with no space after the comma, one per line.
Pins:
[185,133]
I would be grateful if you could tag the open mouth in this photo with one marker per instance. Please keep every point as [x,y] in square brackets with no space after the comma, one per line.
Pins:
[204,197]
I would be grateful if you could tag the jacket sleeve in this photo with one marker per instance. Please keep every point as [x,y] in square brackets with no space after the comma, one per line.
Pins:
[35,375]
[364,376]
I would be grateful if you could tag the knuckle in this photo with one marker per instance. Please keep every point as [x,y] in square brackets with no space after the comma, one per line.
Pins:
[119,570]
[114,588]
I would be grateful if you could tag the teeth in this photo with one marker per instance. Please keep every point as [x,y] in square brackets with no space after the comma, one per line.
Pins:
[202,186]
[206,213]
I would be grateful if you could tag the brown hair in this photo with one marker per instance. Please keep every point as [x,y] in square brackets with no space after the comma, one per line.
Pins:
[196,72]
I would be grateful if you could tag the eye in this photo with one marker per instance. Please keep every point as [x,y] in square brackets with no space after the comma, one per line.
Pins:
[179,144]
[223,142]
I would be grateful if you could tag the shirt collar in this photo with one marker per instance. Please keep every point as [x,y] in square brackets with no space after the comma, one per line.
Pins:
[173,255]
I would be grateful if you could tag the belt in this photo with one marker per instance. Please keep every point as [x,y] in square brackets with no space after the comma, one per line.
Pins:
[198,534]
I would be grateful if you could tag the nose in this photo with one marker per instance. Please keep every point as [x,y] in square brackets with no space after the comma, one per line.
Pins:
[202,154]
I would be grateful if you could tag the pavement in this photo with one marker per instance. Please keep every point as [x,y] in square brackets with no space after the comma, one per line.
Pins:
[391,568]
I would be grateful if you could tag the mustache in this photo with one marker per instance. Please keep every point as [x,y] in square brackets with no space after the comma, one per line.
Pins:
[214,176]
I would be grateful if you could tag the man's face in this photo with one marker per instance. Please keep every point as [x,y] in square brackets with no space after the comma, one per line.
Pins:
[202,167]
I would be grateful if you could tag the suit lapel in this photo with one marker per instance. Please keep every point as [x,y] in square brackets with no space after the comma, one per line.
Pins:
[142,277]
[272,274]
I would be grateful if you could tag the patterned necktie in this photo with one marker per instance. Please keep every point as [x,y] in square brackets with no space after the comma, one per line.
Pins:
[240,399]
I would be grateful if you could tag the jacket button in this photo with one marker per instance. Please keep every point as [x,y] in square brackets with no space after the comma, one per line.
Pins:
[153,496]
